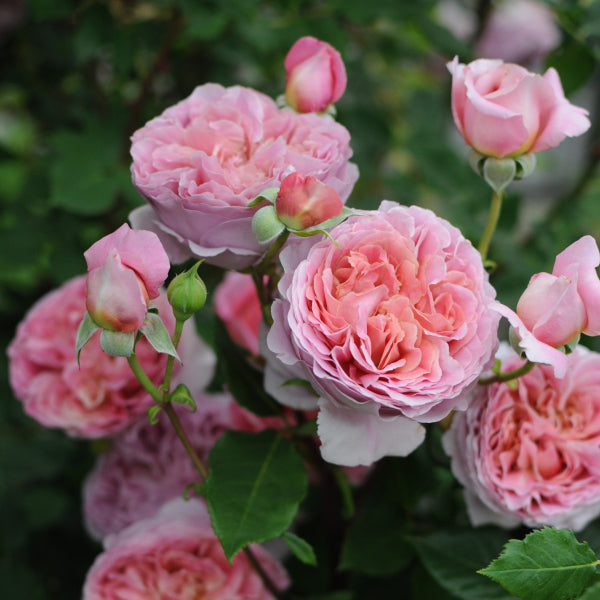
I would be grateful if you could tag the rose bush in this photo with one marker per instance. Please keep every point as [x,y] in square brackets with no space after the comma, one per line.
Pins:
[532,455]
[176,555]
[503,110]
[391,323]
[101,396]
[203,160]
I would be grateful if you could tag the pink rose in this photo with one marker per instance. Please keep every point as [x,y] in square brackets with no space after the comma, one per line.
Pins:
[391,324]
[315,75]
[519,31]
[237,305]
[203,160]
[147,465]
[501,109]
[304,202]
[126,269]
[556,308]
[175,555]
[532,455]
[101,396]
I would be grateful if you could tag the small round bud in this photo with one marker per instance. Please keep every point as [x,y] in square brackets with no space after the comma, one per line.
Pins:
[187,293]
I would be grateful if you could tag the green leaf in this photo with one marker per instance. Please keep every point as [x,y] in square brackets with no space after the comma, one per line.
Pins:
[182,395]
[243,380]
[549,564]
[117,343]
[592,592]
[254,487]
[301,549]
[86,330]
[453,557]
[153,413]
[376,543]
[156,333]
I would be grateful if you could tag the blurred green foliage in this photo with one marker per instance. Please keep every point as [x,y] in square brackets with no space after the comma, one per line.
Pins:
[79,76]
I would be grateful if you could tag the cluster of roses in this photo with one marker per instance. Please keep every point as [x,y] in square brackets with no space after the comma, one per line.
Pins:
[390,318]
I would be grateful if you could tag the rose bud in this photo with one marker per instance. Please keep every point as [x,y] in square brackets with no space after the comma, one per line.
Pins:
[503,110]
[187,293]
[303,202]
[316,76]
[126,270]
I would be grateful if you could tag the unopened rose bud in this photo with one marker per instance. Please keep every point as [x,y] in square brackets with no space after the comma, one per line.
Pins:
[187,293]
[126,270]
[304,202]
[316,76]
[552,309]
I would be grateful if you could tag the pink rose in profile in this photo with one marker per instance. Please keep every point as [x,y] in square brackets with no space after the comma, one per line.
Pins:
[101,396]
[503,110]
[315,75]
[519,31]
[556,308]
[391,324]
[203,160]
[175,555]
[126,269]
[532,455]
[304,202]
[147,465]
[237,305]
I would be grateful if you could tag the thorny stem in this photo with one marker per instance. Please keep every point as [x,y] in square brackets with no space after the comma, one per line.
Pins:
[490,226]
[166,386]
[508,375]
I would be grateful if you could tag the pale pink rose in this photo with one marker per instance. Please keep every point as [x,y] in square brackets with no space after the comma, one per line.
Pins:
[304,202]
[126,269]
[237,305]
[147,465]
[101,396]
[203,160]
[532,455]
[175,556]
[391,324]
[519,31]
[556,308]
[501,109]
[315,75]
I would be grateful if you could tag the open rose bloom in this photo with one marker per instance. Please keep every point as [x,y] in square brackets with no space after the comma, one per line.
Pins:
[391,325]
[203,160]
[503,110]
[101,396]
[174,556]
[532,455]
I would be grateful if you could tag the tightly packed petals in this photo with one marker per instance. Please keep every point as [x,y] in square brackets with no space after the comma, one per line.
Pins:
[503,110]
[532,455]
[147,465]
[101,396]
[389,323]
[519,31]
[175,555]
[316,76]
[203,160]
[304,202]
[556,308]
[237,305]
[126,269]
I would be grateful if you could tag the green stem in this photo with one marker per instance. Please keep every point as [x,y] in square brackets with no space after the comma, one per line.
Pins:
[166,386]
[271,252]
[135,366]
[508,375]
[490,226]
[185,440]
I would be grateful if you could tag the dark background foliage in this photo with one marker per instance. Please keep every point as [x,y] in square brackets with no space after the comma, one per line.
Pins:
[79,76]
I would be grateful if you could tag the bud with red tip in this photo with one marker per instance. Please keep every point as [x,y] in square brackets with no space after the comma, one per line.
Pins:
[316,76]
[304,202]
